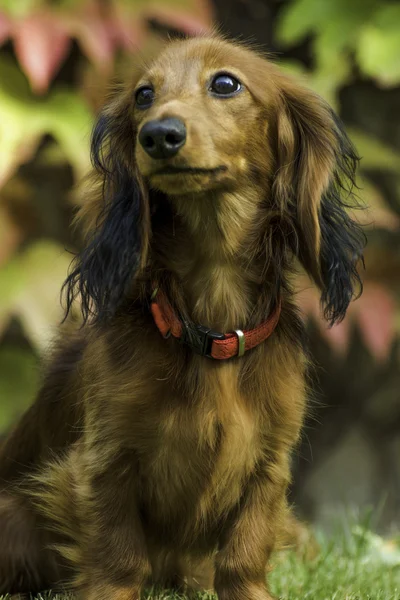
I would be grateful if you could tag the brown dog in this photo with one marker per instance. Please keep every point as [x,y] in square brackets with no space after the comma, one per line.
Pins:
[148,459]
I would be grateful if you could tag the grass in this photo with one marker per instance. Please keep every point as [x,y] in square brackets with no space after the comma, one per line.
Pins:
[349,567]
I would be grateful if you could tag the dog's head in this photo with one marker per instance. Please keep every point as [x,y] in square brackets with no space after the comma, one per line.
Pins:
[209,117]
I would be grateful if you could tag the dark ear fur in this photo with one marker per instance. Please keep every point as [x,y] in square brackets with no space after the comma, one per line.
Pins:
[342,239]
[314,183]
[116,244]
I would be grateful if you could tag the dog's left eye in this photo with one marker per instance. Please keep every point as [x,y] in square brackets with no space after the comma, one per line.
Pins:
[224,84]
[144,97]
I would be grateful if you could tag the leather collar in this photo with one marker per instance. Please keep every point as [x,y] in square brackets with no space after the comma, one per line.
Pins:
[205,341]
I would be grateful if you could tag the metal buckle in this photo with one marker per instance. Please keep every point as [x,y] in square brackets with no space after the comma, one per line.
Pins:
[199,338]
[241,342]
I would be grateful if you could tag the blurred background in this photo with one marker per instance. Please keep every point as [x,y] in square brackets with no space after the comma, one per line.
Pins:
[57,59]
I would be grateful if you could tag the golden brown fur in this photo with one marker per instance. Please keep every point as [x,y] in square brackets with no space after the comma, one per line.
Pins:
[140,460]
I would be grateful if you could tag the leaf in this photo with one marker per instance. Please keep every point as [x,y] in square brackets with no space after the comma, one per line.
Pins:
[376,316]
[70,121]
[30,285]
[21,8]
[10,236]
[308,299]
[89,24]
[374,153]
[375,313]
[332,72]
[191,17]
[334,25]
[38,306]
[298,19]
[5,28]
[378,47]
[19,379]
[26,118]
[21,125]
[41,44]
[182,21]
[377,213]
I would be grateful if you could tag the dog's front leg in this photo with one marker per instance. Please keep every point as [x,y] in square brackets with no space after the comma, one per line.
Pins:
[115,559]
[249,538]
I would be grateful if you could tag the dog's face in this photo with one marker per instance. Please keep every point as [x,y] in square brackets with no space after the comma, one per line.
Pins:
[199,122]
[265,157]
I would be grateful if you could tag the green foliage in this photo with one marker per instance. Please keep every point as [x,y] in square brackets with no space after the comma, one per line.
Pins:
[26,118]
[30,284]
[378,49]
[369,29]
[374,153]
[18,383]
[21,7]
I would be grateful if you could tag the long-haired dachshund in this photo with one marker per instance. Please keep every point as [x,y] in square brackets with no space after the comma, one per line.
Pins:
[158,449]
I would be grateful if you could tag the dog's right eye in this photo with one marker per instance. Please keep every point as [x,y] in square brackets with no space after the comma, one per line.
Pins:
[144,97]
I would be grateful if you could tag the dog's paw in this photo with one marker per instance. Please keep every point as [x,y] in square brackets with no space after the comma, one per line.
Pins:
[248,591]
[104,591]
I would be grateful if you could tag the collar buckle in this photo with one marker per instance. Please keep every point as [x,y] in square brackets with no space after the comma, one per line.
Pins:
[199,338]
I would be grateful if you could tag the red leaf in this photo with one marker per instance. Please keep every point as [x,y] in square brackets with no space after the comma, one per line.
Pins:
[376,314]
[128,32]
[308,298]
[41,44]
[338,336]
[95,34]
[5,28]
[187,23]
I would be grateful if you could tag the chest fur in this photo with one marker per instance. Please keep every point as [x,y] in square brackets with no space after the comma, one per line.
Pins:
[205,449]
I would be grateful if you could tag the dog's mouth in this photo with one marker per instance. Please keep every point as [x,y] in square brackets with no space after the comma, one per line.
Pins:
[190,170]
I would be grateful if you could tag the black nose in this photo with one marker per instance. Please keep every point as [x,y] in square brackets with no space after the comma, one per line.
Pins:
[162,139]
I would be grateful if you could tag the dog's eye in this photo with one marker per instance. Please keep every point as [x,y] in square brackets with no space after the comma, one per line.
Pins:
[144,97]
[224,84]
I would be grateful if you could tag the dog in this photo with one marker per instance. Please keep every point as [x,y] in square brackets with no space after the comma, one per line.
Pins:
[158,449]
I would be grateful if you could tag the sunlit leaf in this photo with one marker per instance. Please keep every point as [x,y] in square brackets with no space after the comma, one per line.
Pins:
[26,118]
[69,121]
[335,26]
[19,9]
[38,304]
[377,213]
[378,48]
[30,285]
[374,153]
[297,19]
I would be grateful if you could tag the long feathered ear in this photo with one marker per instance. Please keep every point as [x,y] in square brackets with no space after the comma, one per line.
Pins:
[314,183]
[116,219]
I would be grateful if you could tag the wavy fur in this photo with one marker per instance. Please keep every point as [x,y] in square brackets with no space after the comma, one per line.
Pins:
[141,462]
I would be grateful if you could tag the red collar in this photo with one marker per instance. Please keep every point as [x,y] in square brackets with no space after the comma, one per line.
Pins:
[205,341]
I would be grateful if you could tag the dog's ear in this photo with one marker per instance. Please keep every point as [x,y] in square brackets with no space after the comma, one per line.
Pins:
[314,179]
[115,217]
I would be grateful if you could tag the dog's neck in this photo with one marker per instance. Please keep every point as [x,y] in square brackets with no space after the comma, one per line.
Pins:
[210,248]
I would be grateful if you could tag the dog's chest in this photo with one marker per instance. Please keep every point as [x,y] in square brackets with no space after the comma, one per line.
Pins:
[205,450]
